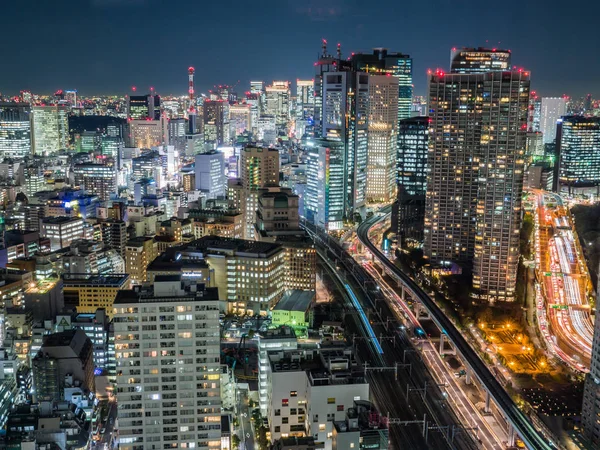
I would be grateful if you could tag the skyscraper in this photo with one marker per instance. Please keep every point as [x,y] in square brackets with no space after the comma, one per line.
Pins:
[167,350]
[475,175]
[277,102]
[552,109]
[413,138]
[210,174]
[382,141]
[214,132]
[477,60]
[50,129]
[578,150]
[324,202]
[143,107]
[177,131]
[15,130]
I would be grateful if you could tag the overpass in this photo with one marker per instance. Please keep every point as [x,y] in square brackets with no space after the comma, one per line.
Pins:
[520,423]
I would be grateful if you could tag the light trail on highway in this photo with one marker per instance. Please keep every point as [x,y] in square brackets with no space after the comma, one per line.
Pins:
[564,282]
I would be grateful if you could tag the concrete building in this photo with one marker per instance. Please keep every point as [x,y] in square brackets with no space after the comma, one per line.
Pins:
[90,256]
[50,126]
[210,174]
[148,133]
[88,293]
[382,144]
[61,231]
[181,403]
[363,428]
[114,235]
[97,179]
[552,109]
[64,361]
[294,310]
[473,201]
[139,252]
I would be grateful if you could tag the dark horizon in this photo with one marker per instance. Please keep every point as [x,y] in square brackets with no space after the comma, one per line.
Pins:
[103,47]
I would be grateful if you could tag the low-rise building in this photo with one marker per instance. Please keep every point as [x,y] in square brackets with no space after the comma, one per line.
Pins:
[88,292]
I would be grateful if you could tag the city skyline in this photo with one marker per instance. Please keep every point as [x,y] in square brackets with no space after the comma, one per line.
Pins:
[124,41]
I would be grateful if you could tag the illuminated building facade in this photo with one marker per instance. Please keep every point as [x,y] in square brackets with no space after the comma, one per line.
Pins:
[97,179]
[139,252]
[240,119]
[15,130]
[277,102]
[478,60]
[88,292]
[61,231]
[210,174]
[382,140]
[475,175]
[145,133]
[578,142]
[551,110]
[214,123]
[167,350]
[324,201]
[413,137]
[50,129]
[143,107]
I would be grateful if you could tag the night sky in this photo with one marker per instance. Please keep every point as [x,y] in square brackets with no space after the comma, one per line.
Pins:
[106,46]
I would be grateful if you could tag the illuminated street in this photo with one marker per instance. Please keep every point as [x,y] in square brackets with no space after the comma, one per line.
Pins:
[564,283]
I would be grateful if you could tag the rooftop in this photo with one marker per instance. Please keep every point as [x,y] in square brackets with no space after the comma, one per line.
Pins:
[296,300]
[112,280]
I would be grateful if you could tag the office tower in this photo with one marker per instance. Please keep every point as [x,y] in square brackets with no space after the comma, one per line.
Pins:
[148,133]
[64,359]
[50,129]
[213,111]
[143,107]
[578,150]
[240,120]
[71,98]
[413,139]
[114,235]
[535,112]
[534,150]
[169,330]
[345,110]
[382,140]
[551,109]
[139,252]
[305,99]
[277,102]
[477,60]
[61,230]
[210,174]
[111,146]
[97,179]
[398,65]
[15,130]
[475,175]
[177,131]
[277,220]
[324,201]
[259,167]
[88,292]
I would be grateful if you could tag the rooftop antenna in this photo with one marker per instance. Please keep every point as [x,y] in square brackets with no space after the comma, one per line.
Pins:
[339,51]
[324,48]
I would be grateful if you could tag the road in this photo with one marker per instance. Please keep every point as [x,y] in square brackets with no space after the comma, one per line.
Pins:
[246,432]
[530,436]
[564,283]
[469,414]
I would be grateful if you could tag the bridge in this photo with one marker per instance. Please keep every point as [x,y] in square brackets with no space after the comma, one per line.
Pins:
[520,423]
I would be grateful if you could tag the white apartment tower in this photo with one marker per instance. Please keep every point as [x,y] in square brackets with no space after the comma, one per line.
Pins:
[552,109]
[168,366]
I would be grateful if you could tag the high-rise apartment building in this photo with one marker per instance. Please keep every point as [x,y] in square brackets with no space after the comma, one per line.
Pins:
[413,149]
[578,150]
[324,203]
[382,139]
[551,110]
[50,126]
[210,174]
[139,252]
[167,349]
[475,175]
[97,179]
[477,60]
[15,130]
